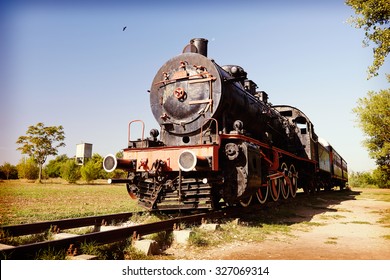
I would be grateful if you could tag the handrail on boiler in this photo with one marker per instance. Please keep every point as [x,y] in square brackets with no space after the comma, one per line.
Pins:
[143,129]
[216,126]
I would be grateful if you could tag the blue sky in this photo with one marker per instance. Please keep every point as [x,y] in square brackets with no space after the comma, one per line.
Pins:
[71,64]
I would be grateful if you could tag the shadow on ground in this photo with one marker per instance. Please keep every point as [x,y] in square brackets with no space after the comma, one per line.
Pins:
[300,209]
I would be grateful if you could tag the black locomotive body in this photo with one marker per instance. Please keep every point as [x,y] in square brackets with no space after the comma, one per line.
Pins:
[221,142]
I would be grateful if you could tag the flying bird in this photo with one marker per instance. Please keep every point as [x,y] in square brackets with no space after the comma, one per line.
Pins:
[124,28]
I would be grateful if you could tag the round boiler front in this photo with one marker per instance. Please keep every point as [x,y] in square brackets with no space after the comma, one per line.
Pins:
[185,91]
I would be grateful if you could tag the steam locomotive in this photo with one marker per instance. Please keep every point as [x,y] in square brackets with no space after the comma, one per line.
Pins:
[221,142]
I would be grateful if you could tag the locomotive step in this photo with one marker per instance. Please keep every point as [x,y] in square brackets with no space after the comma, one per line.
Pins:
[187,193]
[183,206]
[183,192]
[183,188]
[194,199]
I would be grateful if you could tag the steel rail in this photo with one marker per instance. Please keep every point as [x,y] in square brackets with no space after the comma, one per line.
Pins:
[24,229]
[29,251]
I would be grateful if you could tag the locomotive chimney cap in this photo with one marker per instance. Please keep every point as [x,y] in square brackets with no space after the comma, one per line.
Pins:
[197,45]
[193,40]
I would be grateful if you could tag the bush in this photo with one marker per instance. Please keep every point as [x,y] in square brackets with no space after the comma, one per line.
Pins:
[378,178]
[360,179]
[91,171]
[116,174]
[53,168]
[70,171]
[28,169]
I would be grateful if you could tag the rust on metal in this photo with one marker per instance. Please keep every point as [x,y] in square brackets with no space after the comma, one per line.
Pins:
[180,75]
[179,93]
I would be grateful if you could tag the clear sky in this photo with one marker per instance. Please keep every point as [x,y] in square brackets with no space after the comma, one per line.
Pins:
[71,64]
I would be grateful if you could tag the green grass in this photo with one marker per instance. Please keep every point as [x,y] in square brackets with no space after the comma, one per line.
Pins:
[200,238]
[25,239]
[360,223]
[385,219]
[331,240]
[50,254]
[122,250]
[230,231]
[376,194]
[387,237]
[331,217]
[307,226]
[24,202]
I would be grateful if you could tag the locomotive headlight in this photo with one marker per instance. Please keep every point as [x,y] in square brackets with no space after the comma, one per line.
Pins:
[187,160]
[109,163]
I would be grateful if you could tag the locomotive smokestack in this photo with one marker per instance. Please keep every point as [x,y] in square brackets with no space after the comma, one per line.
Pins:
[201,45]
[197,45]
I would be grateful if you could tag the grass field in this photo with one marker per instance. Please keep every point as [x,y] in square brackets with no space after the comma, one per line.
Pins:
[25,202]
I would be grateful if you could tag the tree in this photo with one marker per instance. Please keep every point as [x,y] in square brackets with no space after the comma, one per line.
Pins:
[40,142]
[373,114]
[374,17]
[381,176]
[9,171]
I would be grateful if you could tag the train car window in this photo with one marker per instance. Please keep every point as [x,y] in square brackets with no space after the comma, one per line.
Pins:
[286,113]
[302,127]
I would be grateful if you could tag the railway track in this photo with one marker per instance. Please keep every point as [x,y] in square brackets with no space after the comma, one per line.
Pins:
[57,225]
[28,251]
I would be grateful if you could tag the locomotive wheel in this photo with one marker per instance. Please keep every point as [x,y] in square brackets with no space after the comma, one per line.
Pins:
[262,194]
[274,187]
[245,202]
[284,181]
[294,180]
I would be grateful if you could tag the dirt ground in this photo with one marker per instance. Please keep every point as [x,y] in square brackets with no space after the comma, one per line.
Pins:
[347,229]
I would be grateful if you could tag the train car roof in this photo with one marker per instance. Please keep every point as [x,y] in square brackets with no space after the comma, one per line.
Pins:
[302,114]
[323,142]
